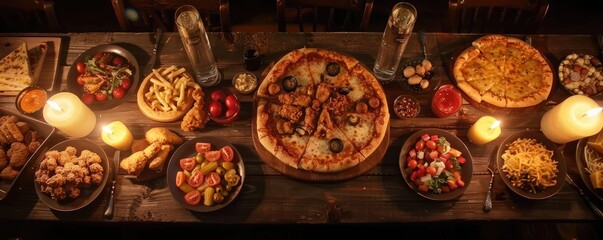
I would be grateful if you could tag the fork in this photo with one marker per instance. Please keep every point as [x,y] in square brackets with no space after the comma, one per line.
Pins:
[488,201]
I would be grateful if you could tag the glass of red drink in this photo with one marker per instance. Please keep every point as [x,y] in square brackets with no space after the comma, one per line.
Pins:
[446,101]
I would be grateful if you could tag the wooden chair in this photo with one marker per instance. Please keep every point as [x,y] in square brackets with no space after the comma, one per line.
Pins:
[341,15]
[29,16]
[161,12]
[496,16]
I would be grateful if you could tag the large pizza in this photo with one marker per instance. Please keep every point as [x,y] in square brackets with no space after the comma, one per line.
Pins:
[503,71]
[320,111]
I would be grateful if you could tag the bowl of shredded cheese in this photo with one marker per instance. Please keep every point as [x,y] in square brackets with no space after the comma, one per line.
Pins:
[245,82]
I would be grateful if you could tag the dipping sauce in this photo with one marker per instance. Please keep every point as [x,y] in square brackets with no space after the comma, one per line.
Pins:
[446,101]
[406,106]
[31,99]
[245,82]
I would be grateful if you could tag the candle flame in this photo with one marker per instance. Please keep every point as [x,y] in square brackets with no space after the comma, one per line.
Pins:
[593,112]
[54,105]
[107,130]
[494,125]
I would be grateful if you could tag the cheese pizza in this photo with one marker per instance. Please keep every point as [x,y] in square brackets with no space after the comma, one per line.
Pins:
[320,111]
[14,70]
[503,71]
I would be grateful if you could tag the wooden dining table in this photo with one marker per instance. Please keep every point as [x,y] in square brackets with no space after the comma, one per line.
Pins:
[268,196]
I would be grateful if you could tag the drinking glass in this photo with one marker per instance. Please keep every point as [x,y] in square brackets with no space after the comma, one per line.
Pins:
[395,37]
[197,46]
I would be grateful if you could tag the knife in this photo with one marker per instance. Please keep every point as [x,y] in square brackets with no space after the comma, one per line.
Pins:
[594,207]
[109,210]
[151,63]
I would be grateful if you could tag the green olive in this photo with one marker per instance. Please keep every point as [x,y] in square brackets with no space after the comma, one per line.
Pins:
[335,145]
[227,165]
[289,83]
[218,198]
[219,189]
[332,69]
[220,171]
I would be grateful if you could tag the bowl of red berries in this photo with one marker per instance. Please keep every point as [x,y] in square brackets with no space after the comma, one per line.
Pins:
[223,106]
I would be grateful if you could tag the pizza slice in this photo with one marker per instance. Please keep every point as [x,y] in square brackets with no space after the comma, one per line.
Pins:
[36,56]
[289,74]
[14,70]
[474,66]
[494,48]
[496,95]
[518,94]
[278,135]
[518,52]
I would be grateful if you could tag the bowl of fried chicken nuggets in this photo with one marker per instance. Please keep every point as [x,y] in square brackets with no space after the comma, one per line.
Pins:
[71,174]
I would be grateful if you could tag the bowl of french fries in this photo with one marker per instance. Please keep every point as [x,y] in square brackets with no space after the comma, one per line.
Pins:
[165,95]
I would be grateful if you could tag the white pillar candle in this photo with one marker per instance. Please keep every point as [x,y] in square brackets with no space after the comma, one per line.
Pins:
[577,117]
[485,130]
[66,112]
[117,135]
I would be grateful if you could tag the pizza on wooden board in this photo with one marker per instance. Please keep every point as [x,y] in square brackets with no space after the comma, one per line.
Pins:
[321,111]
[503,71]
[15,70]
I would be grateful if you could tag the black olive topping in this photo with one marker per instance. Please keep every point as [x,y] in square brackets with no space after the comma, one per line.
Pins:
[289,83]
[335,145]
[353,120]
[344,90]
[332,69]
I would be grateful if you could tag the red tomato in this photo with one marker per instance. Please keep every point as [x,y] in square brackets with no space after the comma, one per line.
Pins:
[126,83]
[460,183]
[88,98]
[431,144]
[80,67]
[99,55]
[218,95]
[193,197]
[101,97]
[180,178]
[215,109]
[461,160]
[226,153]
[212,179]
[412,164]
[80,79]
[448,165]
[201,147]
[117,61]
[231,101]
[119,92]
[188,164]
[196,179]
[213,155]
[231,111]
[420,145]
[433,155]
[431,170]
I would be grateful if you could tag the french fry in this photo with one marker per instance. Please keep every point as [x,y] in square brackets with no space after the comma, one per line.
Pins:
[169,89]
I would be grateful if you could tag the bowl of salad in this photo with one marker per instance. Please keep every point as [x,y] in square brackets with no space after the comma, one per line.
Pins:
[436,164]
[103,76]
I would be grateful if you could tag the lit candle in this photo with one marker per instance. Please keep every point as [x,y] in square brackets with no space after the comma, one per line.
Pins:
[117,135]
[486,129]
[577,117]
[66,112]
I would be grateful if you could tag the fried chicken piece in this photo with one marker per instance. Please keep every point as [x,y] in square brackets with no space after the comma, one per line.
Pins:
[163,135]
[67,156]
[135,163]
[90,157]
[9,173]
[33,146]
[309,120]
[290,112]
[159,159]
[3,159]
[196,117]
[56,180]
[86,181]
[42,175]
[23,127]
[295,98]
[138,145]
[323,91]
[73,191]
[152,149]
[95,168]
[96,178]
[18,154]
[32,136]
[11,131]
[49,164]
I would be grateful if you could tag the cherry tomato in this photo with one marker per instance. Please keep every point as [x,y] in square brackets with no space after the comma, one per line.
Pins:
[212,179]
[180,178]
[218,95]
[196,179]
[461,160]
[431,144]
[433,155]
[431,170]
[215,109]
[119,92]
[125,83]
[88,98]
[188,164]
[99,55]
[213,156]
[231,102]
[80,67]
[227,153]
[231,111]
[117,61]
[80,79]
[193,197]
[420,145]
[201,147]
[101,97]
[412,164]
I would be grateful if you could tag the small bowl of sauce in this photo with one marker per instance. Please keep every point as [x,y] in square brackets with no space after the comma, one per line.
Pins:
[406,106]
[31,99]
[446,101]
[245,82]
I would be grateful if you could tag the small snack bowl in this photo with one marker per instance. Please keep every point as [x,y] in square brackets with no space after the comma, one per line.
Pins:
[406,106]
[31,100]
[222,106]
[245,82]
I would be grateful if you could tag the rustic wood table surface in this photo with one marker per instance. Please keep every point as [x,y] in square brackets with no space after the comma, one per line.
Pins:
[269,197]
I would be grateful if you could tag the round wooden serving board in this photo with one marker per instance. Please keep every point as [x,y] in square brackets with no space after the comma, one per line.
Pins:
[305,175]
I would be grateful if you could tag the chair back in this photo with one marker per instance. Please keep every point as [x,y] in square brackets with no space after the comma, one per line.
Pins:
[29,16]
[150,13]
[334,15]
[496,16]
